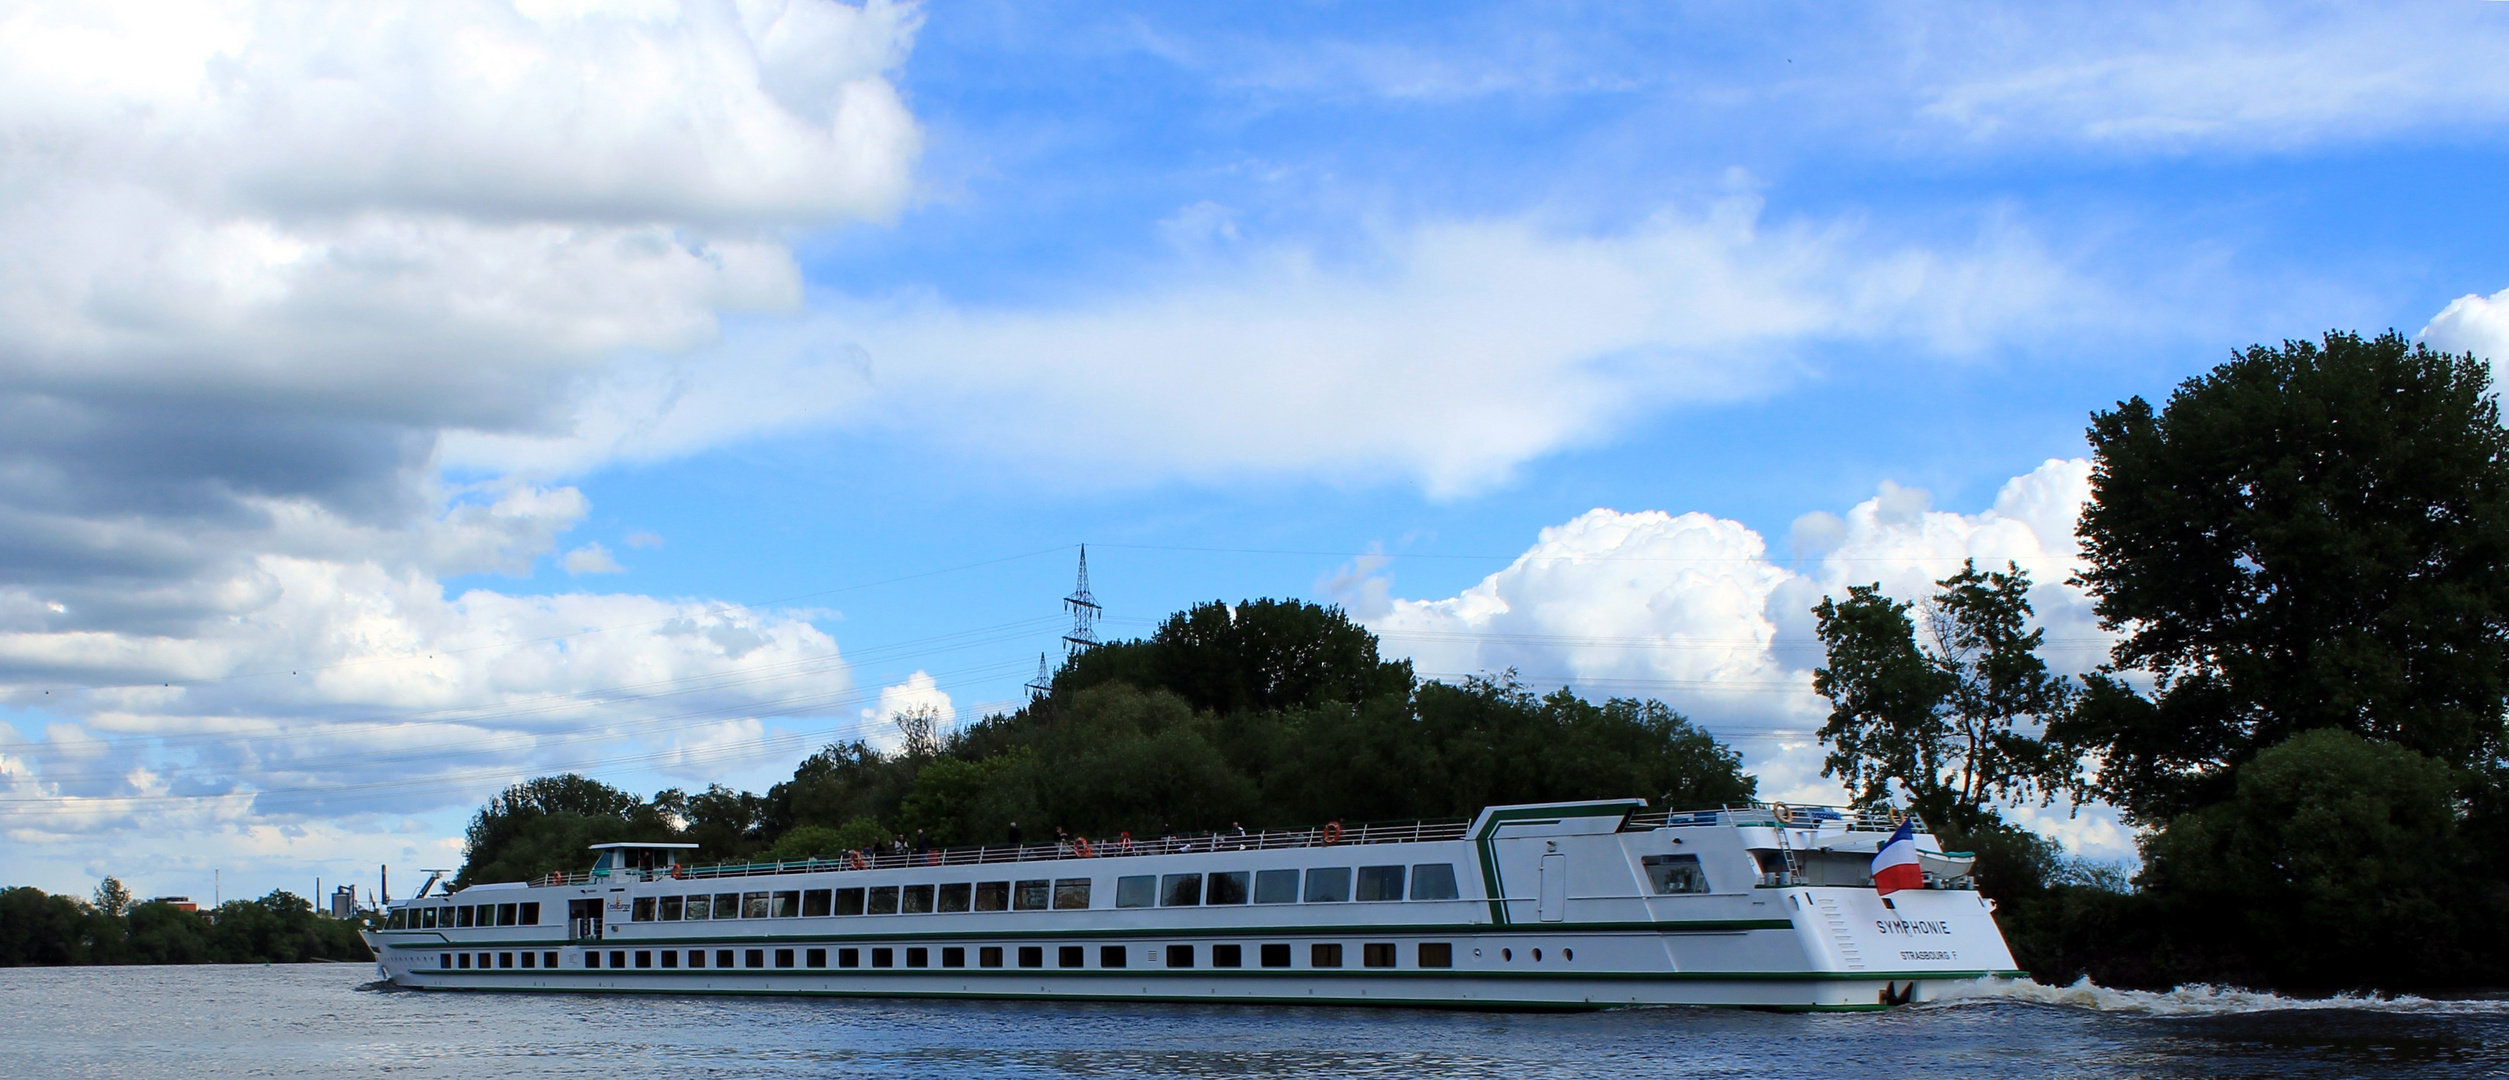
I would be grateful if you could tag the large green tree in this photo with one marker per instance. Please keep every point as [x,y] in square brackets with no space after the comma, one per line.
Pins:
[2310,536]
[1952,721]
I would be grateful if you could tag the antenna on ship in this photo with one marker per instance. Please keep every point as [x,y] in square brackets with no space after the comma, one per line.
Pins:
[1085,611]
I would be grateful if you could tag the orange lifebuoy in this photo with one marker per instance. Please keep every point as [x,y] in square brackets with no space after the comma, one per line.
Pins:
[1783,812]
[678,872]
[1333,832]
[1081,844]
[854,859]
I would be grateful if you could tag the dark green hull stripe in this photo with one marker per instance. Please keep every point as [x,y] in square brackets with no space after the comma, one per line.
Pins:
[1230,973]
[1364,1002]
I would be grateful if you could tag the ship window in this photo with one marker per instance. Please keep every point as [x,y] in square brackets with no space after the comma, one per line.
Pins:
[697,907]
[884,900]
[918,957]
[696,958]
[1180,890]
[1380,883]
[395,920]
[1031,956]
[846,958]
[993,896]
[461,959]
[618,958]
[849,901]
[1029,896]
[954,896]
[1070,956]
[814,903]
[1437,954]
[592,959]
[670,908]
[1228,888]
[727,905]
[444,961]
[1375,954]
[528,958]
[505,959]
[787,905]
[1228,956]
[954,956]
[1433,881]
[784,958]
[670,958]
[505,914]
[1324,955]
[644,958]
[1328,886]
[989,956]
[1276,887]
[644,909]
[463,915]
[1675,874]
[426,919]
[1110,956]
[754,906]
[548,959]
[1276,955]
[1071,892]
[1140,890]
[916,900]
[817,958]
[756,958]
[531,914]
[881,958]
[1180,956]
[484,960]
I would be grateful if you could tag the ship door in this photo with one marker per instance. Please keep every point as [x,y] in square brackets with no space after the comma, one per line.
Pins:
[1554,887]
[586,915]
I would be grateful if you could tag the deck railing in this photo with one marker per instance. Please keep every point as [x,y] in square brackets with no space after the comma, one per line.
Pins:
[1769,816]
[1405,832]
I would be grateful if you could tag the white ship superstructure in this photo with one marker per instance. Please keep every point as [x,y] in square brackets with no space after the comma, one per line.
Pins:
[1569,905]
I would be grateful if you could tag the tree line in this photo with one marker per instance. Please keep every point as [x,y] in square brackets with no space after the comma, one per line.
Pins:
[43,929]
[2305,556]
[1262,714]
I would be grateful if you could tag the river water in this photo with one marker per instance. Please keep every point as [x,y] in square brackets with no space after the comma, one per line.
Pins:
[329,1021]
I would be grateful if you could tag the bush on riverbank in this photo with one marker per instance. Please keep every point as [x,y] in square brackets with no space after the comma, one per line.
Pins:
[42,929]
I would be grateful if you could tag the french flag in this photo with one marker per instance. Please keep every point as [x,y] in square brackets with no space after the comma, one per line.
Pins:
[1895,866]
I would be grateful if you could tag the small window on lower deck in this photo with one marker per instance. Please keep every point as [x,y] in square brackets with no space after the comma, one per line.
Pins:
[881,958]
[817,958]
[548,959]
[954,956]
[670,958]
[528,958]
[1377,954]
[1324,955]
[1228,956]
[1671,874]
[723,958]
[696,958]
[1031,956]
[1111,956]
[1276,955]
[756,958]
[784,958]
[846,958]
[989,956]
[1070,956]
[592,959]
[918,956]
[1437,954]
[463,960]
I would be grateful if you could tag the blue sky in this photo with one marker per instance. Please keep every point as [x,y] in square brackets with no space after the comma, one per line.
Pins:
[482,375]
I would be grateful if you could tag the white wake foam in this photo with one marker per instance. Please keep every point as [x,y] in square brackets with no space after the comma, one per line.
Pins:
[2194,1000]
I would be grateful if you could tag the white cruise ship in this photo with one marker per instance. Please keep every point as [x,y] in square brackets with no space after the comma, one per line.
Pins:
[1567,905]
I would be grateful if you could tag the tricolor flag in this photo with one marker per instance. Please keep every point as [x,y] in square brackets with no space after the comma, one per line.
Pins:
[1895,866]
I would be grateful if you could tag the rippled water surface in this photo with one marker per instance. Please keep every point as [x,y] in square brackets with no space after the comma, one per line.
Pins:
[325,1020]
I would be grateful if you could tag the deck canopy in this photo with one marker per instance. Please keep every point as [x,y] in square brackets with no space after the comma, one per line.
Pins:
[637,855]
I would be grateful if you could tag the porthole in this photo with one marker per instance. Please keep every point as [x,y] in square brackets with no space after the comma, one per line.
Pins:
[1537,955]
[1568,954]
[1507,954]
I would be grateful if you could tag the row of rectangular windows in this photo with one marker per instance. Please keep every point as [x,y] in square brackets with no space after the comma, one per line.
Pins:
[1428,954]
[460,915]
[1324,885]
[1428,881]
